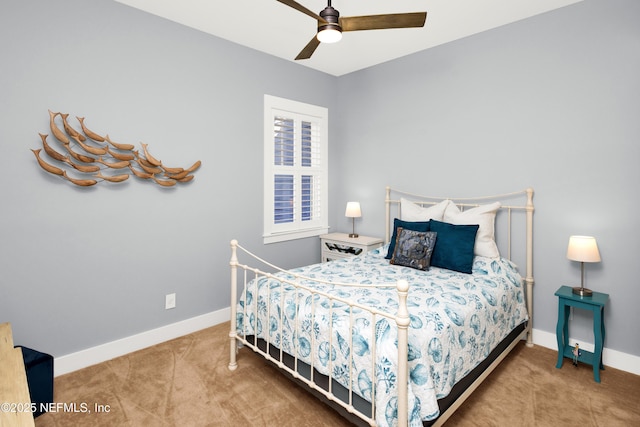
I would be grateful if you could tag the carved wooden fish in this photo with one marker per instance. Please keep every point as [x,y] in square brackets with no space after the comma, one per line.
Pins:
[89,133]
[139,174]
[114,178]
[121,156]
[164,182]
[71,131]
[148,169]
[150,158]
[143,161]
[195,166]
[77,156]
[46,166]
[186,178]
[114,165]
[50,151]
[90,149]
[177,176]
[172,170]
[83,168]
[148,163]
[61,136]
[80,182]
[126,147]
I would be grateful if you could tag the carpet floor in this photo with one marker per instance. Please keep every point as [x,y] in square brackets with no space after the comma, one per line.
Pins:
[185,382]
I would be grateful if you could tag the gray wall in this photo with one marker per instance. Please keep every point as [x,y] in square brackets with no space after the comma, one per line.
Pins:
[550,102]
[82,267]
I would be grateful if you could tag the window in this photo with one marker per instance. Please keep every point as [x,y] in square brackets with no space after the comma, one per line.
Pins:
[295,172]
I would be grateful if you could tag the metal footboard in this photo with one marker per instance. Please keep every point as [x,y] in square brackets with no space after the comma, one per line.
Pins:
[401,319]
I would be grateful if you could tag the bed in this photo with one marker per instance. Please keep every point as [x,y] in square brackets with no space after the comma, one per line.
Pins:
[399,336]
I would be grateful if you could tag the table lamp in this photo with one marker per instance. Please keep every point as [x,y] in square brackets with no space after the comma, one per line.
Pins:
[353,211]
[583,249]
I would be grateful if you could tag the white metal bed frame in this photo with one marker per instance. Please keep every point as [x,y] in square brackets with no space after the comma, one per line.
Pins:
[401,318]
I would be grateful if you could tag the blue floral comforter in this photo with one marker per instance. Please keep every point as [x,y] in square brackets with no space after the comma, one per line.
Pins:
[456,321]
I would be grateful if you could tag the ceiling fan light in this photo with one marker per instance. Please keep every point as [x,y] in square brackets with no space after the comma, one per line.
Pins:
[329,35]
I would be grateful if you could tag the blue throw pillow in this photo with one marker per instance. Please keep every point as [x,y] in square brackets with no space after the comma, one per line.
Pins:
[454,246]
[407,225]
[414,248]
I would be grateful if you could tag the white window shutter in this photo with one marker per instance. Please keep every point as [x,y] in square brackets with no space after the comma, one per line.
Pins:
[296,167]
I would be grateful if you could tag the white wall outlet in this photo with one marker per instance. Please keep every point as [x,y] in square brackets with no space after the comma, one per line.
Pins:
[170,301]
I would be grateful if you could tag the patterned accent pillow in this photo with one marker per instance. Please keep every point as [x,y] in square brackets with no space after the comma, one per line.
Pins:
[407,225]
[414,248]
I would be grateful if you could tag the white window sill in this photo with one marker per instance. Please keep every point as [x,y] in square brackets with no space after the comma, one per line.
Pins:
[293,235]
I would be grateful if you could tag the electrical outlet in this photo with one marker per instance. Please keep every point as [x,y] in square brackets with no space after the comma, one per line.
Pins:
[170,301]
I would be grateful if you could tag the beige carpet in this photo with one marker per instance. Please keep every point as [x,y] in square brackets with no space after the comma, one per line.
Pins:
[185,382]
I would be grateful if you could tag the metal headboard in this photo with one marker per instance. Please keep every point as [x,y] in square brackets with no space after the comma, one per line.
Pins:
[392,210]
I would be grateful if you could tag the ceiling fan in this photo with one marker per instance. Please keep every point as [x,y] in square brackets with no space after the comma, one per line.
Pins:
[331,25]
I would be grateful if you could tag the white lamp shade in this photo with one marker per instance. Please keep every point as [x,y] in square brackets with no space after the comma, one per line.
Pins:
[353,210]
[583,248]
[329,35]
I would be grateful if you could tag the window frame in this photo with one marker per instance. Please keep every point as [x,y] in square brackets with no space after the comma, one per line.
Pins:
[299,111]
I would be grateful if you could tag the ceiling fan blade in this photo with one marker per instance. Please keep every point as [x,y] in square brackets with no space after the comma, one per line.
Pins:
[381,22]
[309,49]
[297,6]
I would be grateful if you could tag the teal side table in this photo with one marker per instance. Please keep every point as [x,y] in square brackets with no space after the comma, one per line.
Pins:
[595,303]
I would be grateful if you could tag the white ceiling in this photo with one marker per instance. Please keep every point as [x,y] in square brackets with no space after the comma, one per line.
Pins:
[274,28]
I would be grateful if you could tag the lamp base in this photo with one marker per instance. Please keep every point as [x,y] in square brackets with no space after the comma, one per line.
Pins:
[583,292]
[353,235]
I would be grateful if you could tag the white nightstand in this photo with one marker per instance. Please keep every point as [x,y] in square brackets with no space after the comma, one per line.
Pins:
[340,245]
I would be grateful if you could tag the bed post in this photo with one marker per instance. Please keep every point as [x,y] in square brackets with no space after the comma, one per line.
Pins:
[387,208]
[402,320]
[529,278]
[234,300]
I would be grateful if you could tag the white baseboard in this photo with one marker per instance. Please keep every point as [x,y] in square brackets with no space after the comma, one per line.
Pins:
[101,353]
[615,359]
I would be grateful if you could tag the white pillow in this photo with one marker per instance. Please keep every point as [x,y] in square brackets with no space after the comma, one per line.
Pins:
[410,211]
[485,217]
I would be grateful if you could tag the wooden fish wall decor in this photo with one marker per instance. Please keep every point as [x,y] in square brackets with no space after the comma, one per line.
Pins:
[97,158]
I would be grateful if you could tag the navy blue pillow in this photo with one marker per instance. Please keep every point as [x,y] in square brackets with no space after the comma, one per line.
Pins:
[454,246]
[407,225]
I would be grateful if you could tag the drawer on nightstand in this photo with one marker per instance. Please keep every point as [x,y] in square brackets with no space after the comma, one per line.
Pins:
[340,245]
